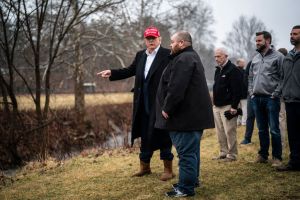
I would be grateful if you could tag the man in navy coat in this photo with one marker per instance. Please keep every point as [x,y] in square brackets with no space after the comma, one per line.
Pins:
[147,68]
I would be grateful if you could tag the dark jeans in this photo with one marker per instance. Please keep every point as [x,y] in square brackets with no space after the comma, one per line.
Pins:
[187,145]
[293,127]
[250,120]
[267,117]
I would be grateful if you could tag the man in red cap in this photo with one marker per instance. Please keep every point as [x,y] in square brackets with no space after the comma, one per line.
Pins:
[147,68]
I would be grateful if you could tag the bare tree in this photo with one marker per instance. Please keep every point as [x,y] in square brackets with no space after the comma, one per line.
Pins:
[241,40]
[78,70]
[40,38]
[9,28]
[195,17]
[44,25]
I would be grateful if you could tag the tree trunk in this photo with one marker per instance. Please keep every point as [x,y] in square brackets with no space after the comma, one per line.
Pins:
[78,74]
[11,126]
[79,90]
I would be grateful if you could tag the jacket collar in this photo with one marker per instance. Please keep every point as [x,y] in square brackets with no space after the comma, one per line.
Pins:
[225,66]
[154,64]
[270,50]
[293,52]
[189,48]
[293,55]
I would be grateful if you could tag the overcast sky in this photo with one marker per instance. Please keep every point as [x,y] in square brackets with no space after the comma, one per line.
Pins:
[278,15]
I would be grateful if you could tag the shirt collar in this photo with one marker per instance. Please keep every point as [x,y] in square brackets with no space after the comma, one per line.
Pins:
[224,64]
[153,52]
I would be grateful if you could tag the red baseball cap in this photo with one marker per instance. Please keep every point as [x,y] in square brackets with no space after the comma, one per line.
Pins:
[151,31]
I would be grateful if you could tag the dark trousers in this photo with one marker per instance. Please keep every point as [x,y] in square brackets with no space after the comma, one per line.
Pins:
[250,120]
[146,151]
[267,117]
[293,127]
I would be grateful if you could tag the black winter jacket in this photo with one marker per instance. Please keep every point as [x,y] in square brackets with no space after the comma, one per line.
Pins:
[227,89]
[183,94]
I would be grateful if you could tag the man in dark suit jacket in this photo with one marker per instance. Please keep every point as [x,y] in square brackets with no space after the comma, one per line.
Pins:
[147,68]
[184,109]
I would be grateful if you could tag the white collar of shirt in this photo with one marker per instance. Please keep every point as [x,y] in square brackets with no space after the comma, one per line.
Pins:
[222,66]
[150,59]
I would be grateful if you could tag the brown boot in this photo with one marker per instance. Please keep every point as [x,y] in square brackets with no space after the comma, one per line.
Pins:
[168,171]
[144,169]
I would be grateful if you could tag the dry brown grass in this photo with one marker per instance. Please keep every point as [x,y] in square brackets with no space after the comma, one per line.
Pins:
[108,176]
[67,100]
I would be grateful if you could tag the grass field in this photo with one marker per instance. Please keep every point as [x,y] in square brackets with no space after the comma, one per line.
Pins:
[97,174]
[67,100]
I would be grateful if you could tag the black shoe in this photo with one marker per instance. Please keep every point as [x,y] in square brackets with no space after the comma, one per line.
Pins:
[177,193]
[175,186]
[285,168]
[245,142]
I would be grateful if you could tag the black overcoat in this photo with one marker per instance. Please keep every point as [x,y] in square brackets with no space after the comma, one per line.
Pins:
[155,138]
[183,94]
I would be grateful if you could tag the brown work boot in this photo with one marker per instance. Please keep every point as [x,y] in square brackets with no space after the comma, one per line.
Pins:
[144,169]
[168,171]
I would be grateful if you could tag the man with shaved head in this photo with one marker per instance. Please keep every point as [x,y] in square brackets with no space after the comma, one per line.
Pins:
[227,91]
[184,109]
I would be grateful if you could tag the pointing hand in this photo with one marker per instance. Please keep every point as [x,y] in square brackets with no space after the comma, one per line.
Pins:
[104,74]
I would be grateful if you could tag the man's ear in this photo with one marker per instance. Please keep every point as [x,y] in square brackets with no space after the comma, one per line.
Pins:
[181,43]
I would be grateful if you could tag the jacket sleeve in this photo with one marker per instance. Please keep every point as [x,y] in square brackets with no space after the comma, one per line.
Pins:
[250,80]
[279,63]
[123,73]
[181,73]
[236,81]
[246,75]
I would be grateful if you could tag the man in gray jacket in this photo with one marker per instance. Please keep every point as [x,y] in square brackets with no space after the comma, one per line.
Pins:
[291,97]
[264,88]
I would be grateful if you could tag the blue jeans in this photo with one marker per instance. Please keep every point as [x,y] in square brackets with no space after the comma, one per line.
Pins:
[267,117]
[187,144]
[250,120]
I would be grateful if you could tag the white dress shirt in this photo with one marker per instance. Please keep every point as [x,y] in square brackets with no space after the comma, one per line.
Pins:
[149,61]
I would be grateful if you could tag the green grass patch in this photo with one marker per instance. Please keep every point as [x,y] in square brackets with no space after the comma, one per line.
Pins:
[108,176]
